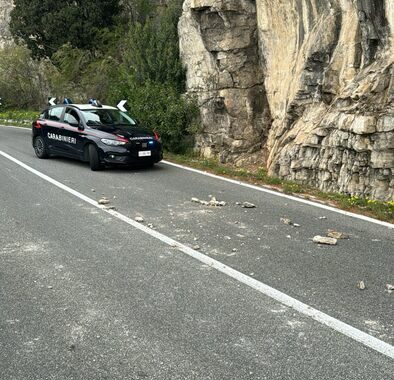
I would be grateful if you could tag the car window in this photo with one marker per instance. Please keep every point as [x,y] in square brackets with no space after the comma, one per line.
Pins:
[55,113]
[71,116]
[97,117]
[43,115]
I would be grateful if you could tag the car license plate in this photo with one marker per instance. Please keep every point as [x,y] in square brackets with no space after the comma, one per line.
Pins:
[144,153]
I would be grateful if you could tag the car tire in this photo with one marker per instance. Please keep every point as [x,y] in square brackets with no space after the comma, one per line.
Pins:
[94,158]
[40,147]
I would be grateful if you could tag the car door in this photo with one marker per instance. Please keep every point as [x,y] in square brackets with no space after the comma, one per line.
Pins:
[53,127]
[74,135]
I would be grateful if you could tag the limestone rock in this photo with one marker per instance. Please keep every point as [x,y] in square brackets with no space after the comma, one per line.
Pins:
[361,285]
[5,10]
[324,240]
[304,87]
[103,201]
[248,205]
[219,46]
[337,235]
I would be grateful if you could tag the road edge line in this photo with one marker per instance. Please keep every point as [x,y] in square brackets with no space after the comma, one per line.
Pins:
[278,194]
[323,318]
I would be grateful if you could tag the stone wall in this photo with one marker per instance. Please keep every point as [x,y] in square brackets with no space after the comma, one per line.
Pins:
[312,96]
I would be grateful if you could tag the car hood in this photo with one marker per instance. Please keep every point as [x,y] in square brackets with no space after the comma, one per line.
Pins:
[129,133]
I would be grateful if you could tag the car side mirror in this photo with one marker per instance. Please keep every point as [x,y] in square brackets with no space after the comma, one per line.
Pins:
[80,126]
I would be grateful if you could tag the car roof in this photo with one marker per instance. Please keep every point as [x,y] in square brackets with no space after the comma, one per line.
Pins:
[83,107]
[91,107]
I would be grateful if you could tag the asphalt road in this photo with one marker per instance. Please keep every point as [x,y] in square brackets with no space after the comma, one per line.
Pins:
[86,296]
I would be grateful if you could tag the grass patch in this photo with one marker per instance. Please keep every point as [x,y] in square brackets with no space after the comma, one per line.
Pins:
[380,210]
[18,118]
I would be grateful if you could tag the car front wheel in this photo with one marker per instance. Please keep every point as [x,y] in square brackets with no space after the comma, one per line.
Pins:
[94,158]
[40,147]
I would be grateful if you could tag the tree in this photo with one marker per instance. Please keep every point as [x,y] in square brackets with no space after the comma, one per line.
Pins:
[152,48]
[22,80]
[46,25]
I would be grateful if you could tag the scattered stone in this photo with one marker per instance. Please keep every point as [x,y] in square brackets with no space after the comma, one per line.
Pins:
[195,239]
[196,247]
[50,287]
[238,203]
[216,203]
[234,249]
[110,208]
[322,217]
[361,285]
[296,225]
[115,196]
[213,202]
[93,190]
[389,288]
[324,240]
[288,236]
[248,205]
[71,347]
[139,219]
[337,235]
[286,221]
[103,201]
[150,225]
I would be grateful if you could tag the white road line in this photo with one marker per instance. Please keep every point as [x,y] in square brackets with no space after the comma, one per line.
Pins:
[268,191]
[12,126]
[335,324]
[278,194]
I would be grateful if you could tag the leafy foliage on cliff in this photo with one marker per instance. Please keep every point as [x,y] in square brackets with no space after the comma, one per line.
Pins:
[45,25]
[22,83]
[150,75]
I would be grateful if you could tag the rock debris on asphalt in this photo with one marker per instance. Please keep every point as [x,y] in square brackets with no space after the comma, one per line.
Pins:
[324,240]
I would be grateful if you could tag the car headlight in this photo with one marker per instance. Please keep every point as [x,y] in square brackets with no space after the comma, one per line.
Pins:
[113,142]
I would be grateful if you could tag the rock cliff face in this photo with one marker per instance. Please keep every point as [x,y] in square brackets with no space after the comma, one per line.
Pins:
[5,10]
[305,87]
[219,44]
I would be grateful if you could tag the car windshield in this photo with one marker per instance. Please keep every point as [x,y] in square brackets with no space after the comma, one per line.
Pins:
[107,117]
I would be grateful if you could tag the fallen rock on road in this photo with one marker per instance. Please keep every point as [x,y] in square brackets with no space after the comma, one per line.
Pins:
[324,240]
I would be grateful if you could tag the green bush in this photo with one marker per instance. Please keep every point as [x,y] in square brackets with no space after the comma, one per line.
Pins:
[46,25]
[159,106]
[151,77]
[22,80]
[152,49]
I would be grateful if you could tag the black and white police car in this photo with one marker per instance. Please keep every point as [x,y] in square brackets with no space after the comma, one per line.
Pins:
[98,134]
